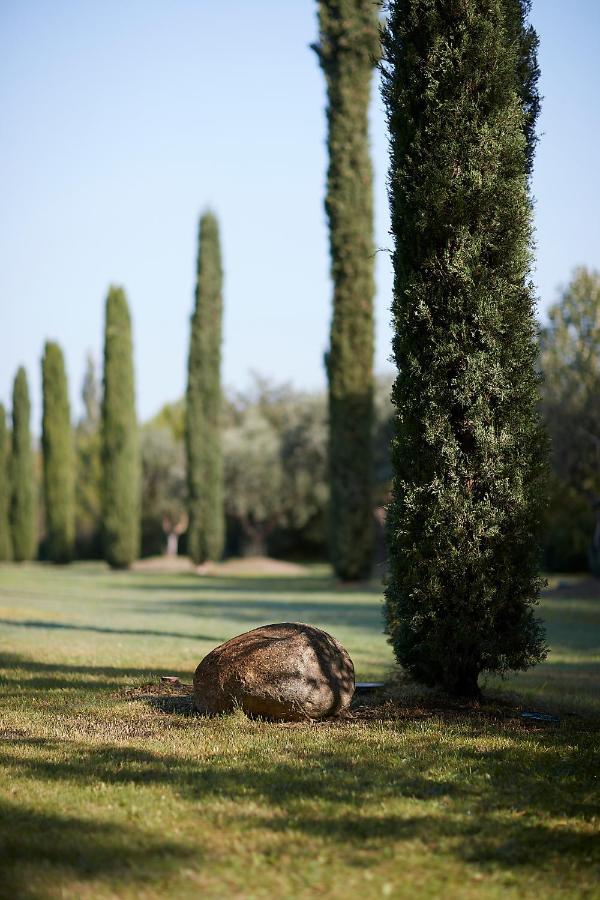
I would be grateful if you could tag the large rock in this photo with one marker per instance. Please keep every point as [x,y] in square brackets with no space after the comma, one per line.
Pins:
[286,671]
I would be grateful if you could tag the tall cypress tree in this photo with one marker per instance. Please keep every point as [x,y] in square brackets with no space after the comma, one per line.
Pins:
[23,505]
[57,446]
[348,50]
[88,481]
[469,454]
[203,402]
[120,445]
[5,538]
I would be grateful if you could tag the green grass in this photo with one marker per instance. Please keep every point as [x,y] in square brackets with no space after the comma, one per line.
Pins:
[106,794]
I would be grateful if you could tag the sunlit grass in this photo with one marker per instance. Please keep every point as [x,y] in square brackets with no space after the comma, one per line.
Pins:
[107,796]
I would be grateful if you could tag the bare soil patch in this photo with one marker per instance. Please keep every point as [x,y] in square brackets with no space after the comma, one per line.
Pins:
[251,565]
[385,705]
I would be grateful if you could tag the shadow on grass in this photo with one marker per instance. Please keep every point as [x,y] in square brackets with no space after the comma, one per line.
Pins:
[522,799]
[98,629]
[253,585]
[500,807]
[61,675]
[254,610]
[34,841]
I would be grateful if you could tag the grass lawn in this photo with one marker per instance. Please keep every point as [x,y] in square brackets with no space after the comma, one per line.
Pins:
[106,793]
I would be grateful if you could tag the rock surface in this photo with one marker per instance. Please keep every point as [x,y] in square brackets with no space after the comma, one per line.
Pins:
[288,671]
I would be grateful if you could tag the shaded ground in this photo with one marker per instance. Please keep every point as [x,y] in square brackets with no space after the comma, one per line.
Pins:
[111,786]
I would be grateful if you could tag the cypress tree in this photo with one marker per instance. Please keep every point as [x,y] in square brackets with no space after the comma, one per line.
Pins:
[203,402]
[120,446]
[348,50]
[57,446]
[469,454]
[5,538]
[88,481]
[23,506]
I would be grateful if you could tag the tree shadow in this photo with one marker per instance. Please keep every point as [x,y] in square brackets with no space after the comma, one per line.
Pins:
[494,800]
[521,800]
[35,842]
[40,675]
[255,584]
[98,629]
[252,609]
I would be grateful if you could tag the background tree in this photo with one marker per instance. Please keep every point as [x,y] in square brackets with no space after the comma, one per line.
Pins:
[275,450]
[275,459]
[120,446]
[570,360]
[5,537]
[348,49]
[203,402]
[58,457]
[164,514]
[23,505]
[171,417]
[254,478]
[469,453]
[88,482]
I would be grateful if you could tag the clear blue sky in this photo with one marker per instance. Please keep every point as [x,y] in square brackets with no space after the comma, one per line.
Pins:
[122,119]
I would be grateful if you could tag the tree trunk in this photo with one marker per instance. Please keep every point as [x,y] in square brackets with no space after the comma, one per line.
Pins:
[172,543]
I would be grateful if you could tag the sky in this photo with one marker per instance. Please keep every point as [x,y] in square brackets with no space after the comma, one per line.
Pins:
[121,120]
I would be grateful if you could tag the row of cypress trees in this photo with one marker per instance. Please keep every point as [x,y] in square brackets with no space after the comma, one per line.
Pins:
[120,487]
[120,483]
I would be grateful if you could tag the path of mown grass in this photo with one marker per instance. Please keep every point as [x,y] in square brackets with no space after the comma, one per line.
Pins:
[104,796]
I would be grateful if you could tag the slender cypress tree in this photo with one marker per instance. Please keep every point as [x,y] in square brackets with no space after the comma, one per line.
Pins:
[120,446]
[5,538]
[57,446]
[203,402]
[468,453]
[88,480]
[348,50]
[23,505]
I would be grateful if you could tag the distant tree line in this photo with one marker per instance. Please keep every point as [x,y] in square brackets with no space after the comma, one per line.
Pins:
[274,442]
[275,461]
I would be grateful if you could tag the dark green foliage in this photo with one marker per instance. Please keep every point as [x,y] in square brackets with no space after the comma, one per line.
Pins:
[347,51]
[120,448]
[23,505]
[526,40]
[469,454]
[203,402]
[57,446]
[5,538]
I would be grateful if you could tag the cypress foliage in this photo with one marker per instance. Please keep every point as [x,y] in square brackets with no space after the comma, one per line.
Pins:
[348,51]
[527,70]
[57,446]
[468,453]
[203,402]
[5,538]
[88,481]
[120,445]
[23,505]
